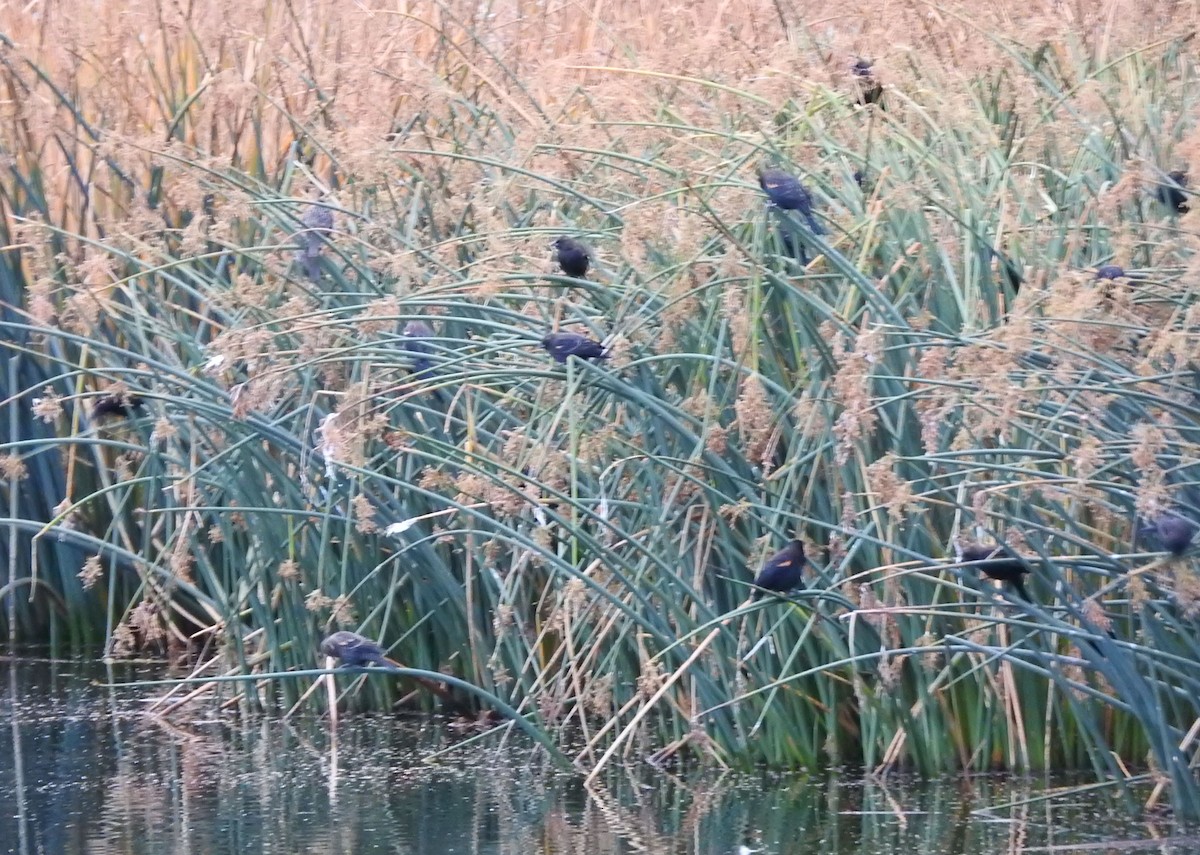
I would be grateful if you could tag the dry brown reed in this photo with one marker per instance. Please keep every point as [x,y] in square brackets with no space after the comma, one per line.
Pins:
[240,83]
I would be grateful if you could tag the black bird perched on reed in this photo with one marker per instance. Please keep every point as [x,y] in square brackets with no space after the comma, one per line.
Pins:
[782,572]
[787,193]
[1171,191]
[572,256]
[869,89]
[318,225]
[1174,533]
[1011,272]
[1110,271]
[354,650]
[560,345]
[414,331]
[114,404]
[1001,569]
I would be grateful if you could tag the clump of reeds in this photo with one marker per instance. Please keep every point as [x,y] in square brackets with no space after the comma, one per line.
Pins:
[942,365]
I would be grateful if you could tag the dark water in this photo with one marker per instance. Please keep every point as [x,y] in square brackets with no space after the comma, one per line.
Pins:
[83,768]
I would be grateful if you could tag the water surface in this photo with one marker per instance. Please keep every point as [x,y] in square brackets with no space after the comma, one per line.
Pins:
[84,769]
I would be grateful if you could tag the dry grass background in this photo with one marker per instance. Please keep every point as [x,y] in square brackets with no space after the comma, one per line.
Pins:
[238,83]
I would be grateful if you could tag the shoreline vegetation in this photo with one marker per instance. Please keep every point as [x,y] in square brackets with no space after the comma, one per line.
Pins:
[282,306]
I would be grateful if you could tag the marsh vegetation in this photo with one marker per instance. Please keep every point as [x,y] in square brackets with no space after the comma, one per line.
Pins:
[226,222]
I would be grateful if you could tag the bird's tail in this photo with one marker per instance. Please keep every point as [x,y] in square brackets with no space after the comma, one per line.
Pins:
[816,227]
[1021,591]
[439,689]
[312,266]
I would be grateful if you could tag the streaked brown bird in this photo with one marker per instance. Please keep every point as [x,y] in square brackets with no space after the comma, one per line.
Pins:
[414,331]
[782,572]
[572,257]
[1173,532]
[358,651]
[354,650]
[318,226]
[1008,570]
[560,345]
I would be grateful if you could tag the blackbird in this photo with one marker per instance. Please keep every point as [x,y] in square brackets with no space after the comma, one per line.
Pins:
[1002,569]
[786,192]
[572,256]
[355,651]
[1009,269]
[117,405]
[1171,192]
[318,225]
[415,331]
[1109,271]
[782,572]
[1174,532]
[560,345]
[869,90]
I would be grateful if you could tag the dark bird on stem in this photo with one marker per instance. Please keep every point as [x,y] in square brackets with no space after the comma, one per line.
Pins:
[787,193]
[114,404]
[560,345]
[1001,569]
[354,650]
[1174,533]
[318,226]
[782,572]
[1110,271]
[869,89]
[572,256]
[1009,270]
[1171,192]
[414,331]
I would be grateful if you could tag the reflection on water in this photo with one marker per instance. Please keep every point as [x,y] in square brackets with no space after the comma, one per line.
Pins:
[84,769]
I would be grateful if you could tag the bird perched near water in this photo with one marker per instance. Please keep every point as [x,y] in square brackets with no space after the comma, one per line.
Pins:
[782,572]
[1171,191]
[560,345]
[787,193]
[318,226]
[354,650]
[572,256]
[869,89]
[1174,533]
[115,404]
[414,331]
[1001,569]
[358,651]
[1110,271]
